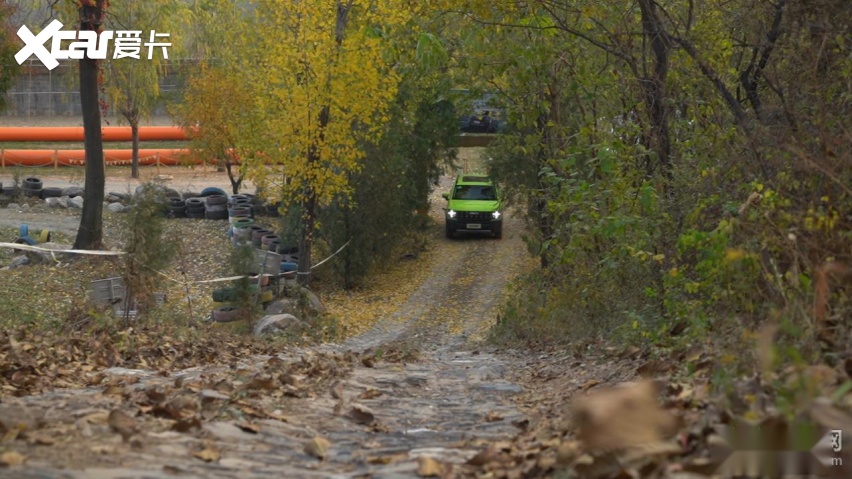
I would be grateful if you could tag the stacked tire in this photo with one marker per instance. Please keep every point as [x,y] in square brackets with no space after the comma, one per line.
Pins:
[240,232]
[257,234]
[216,207]
[195,208]
[33,187]
[177,207]
[240,204]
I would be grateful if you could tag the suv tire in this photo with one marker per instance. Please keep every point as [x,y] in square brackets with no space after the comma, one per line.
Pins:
[450,232]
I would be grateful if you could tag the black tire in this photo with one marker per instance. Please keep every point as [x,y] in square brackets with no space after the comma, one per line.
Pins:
[177,202]
[234,199]
[217,214]
[33,183]
[198,215]
[272,211]
[178,210]
[240,211]
[268,238]
[226,314]
[51,192]
[32,193]
[498,233]
[288,249]
[217,208]
[212,190]
[217,200]
[195,204]
[449,231]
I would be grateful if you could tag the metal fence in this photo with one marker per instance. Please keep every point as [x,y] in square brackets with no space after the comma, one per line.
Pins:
[39,92]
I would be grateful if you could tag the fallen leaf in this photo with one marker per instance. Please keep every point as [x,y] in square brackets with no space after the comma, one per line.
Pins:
[41,439]
[621,416]
[318,447]
[12,458]
[362,414]
[208,454]
[122,423]
[249,427]
[370,394]
[590,383]
[428,467]
[102,449]
[337,390]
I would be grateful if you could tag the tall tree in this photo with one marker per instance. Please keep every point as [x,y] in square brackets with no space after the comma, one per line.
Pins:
[217,113]
[324,85]
[90,233]
[132,83]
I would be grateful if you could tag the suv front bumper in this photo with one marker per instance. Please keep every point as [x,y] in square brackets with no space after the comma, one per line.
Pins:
[474,221]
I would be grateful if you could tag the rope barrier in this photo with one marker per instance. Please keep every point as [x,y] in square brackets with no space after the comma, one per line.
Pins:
[26,247]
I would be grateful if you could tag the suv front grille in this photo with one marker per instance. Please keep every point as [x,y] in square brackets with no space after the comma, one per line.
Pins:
[475,216]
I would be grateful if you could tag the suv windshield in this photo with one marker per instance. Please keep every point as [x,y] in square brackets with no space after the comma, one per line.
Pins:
[474,192]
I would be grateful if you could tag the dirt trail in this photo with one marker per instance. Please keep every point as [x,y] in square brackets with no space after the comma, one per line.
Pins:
[443,404]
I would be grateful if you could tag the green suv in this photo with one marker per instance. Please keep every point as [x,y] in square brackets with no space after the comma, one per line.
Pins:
[473,205]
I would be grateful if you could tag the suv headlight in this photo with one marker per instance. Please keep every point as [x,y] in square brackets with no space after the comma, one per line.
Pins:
[451,214]
[496,215]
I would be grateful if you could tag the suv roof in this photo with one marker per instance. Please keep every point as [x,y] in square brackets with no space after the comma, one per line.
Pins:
[473,179]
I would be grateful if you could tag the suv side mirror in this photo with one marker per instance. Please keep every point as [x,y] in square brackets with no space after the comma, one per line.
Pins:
[446,196]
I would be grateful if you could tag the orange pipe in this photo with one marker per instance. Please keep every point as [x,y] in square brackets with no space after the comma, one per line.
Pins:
[147,157]
[75,133]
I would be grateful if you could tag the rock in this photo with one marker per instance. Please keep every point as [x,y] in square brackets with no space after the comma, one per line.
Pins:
[72,191]
[25,206]
[305,300]
[76,202]
[63,201]
[314,301]
[120,196]
[277,323]
[111,198]
[18,261]
[285,305]
[13,206]
[116,207]
[52,202]
[45,257]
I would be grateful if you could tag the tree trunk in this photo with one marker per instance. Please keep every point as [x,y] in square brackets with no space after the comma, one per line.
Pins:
[309,204]
[306,240]
[90,232]
[655,87]
[235,179]
[134,162]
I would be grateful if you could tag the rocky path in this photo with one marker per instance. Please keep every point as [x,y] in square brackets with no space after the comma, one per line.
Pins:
[416,386]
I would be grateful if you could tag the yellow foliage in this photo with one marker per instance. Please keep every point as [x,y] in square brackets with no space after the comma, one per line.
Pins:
[321,90]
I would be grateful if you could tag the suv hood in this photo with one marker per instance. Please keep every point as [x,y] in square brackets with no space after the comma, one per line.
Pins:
[473,205]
